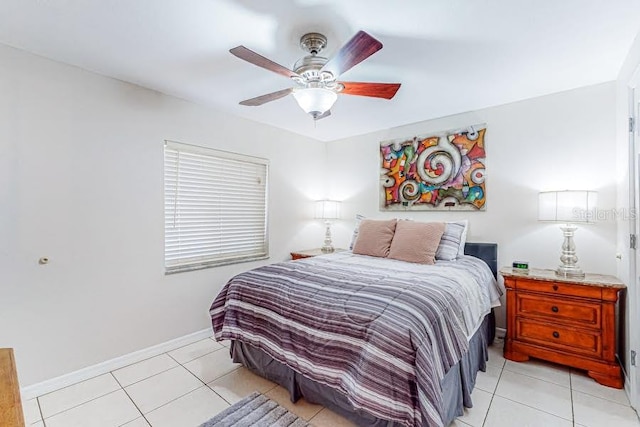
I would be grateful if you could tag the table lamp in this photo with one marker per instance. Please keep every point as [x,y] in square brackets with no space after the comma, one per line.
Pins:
[327,210]
[567,207]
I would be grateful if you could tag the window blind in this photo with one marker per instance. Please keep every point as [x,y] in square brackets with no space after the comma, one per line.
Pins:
[215,207]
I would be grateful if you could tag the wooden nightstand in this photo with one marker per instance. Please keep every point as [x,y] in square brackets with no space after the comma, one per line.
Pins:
[311,253]
[10,404]
[564,320]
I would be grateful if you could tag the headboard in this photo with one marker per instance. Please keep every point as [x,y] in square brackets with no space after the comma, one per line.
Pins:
[488,252]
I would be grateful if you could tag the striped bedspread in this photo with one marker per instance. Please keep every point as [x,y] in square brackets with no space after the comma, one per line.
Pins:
[382,332]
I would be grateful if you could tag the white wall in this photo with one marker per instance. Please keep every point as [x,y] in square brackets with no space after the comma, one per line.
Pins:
[559,141]
[81,182]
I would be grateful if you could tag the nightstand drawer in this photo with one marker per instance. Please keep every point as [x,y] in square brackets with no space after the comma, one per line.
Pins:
[557,288]
[559,309]
[575,341]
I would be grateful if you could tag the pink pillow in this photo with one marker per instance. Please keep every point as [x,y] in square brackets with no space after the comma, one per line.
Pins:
[416,241]
[374,237]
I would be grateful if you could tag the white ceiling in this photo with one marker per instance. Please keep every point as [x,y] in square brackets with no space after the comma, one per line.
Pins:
[451,56]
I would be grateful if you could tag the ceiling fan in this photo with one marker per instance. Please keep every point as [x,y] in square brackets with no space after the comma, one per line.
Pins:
[316,86]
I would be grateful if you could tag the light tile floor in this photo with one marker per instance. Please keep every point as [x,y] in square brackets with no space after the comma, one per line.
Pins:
[187,386]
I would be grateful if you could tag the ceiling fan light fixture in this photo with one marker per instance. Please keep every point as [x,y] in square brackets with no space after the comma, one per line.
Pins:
[315,100]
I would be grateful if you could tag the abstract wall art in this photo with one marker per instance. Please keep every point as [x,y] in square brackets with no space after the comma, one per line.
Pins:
[440,171]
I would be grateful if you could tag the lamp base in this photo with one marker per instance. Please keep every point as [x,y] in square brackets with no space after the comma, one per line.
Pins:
[570,271]
[327,249]
[569,267]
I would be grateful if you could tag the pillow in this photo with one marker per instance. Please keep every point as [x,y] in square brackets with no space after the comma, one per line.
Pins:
[416,241]
[374,237]
[453,240]
[463,237]
[359,219]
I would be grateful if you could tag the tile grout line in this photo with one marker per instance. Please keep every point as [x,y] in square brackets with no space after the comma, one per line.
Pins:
[604,398]
[318,413]
[484,421]
[207,384]
[171,401]
[573,414]
[200,379]
[218,394]
[537,409]
[132,401]
[40,411]
[69,386]
[191,391]
[229,373]
[80,404]
[163,371]
[182,395]
[131,364]
[529,406]
[537,378]
[125,391]
[322,408]
[97,376]
[195,358]
[145,378]
[83,403]
[168,369]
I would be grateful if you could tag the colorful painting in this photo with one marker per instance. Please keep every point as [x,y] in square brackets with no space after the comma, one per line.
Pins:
[442,171]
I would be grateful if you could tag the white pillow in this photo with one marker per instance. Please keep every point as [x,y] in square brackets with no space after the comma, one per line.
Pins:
[359,219]
[463,238]
[453,240]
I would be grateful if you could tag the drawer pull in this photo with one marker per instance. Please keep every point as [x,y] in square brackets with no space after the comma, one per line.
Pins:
[555,287]
[556,334]
[554,309]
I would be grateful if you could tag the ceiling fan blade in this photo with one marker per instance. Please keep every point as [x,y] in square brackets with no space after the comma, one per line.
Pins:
[360,47]
[263,99]
[259,60]
[377,90]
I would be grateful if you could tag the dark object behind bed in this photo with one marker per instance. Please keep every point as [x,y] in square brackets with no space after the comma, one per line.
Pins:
[488,252]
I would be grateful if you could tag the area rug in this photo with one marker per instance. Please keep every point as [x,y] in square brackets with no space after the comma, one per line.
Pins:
[256,410]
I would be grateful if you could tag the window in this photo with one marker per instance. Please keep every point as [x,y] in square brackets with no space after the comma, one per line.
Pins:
[215,207]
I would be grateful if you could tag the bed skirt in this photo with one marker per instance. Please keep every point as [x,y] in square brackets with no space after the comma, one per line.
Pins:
[456,385]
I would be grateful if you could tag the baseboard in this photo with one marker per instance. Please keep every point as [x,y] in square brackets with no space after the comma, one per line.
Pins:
[44,387]
[501,332]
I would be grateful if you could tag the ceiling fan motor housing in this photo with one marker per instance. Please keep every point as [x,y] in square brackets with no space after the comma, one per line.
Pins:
[309,68]
[313,43]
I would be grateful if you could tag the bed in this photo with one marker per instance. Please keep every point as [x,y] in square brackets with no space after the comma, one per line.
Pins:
[382,342]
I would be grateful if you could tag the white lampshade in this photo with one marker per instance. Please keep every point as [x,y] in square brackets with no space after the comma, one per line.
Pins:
[567,206]
[315,101]
[327,209]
